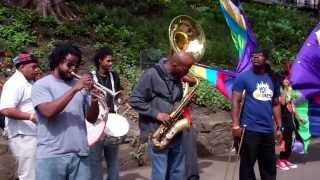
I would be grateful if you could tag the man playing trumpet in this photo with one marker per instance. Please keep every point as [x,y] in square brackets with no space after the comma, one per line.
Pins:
[153,98]
[62,104]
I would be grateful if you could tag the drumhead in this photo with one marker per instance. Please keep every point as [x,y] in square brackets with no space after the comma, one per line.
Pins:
[116,125]
[95,131]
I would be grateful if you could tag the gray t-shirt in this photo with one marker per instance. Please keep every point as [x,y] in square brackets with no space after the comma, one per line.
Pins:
[66,133]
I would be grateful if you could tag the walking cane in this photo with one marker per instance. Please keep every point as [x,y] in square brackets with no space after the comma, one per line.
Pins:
[239,151]
[237,157]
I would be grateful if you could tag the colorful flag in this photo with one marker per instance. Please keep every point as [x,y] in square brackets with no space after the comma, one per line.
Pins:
[241,33]
[305,69]
[305,79]
[308,116]
[220,79]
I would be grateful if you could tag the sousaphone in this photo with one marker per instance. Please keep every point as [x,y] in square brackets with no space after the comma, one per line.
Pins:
[186,35]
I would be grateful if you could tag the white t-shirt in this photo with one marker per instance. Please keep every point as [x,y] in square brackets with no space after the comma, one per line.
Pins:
[16,92]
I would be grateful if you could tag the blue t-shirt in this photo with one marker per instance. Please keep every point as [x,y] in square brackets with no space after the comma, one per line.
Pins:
[257,109]
[66,133]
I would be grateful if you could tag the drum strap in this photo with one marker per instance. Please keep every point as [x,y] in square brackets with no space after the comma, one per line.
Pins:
[113,89]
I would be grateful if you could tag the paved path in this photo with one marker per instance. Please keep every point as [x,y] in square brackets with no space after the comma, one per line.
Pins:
[214,169]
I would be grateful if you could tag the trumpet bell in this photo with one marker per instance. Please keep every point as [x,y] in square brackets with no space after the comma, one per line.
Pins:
[185,34]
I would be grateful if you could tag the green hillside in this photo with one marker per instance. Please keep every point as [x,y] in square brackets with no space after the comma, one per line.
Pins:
[132,27]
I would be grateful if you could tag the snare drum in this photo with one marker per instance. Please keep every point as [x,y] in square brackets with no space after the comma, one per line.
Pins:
[116,129]
[95,131]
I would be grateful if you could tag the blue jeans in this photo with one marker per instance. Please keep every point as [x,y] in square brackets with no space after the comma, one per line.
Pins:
[95,157]
[168,164]
[112,160]
[69,166]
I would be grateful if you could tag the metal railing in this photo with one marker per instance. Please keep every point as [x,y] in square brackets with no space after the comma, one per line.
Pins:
[309,4]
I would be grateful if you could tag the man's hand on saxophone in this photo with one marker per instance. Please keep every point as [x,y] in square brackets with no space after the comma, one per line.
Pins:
[164,118]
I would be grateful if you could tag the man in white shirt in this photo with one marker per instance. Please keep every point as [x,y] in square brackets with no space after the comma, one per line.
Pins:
[16,106]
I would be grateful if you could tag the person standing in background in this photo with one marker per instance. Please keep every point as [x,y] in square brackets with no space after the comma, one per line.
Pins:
[16,106]
[287,116]
[105,76]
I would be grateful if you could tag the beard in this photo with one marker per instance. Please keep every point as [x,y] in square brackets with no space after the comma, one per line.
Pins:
[65,76]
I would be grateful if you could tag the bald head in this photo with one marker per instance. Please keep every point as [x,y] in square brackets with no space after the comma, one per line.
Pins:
[183,58]
[181,62]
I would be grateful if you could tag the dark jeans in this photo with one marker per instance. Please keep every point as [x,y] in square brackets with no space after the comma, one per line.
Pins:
[287,137]
[288,125]
[191,156]
[261,147]
[2,122]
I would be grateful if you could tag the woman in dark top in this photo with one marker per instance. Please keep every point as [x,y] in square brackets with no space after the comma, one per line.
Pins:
[287,124]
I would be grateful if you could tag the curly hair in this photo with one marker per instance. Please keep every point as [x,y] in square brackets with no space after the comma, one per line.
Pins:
[101,54]
[59,53]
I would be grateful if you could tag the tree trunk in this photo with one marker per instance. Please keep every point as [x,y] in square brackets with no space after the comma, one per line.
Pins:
[56,8]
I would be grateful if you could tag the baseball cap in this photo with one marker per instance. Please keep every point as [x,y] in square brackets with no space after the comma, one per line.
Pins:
[24,58]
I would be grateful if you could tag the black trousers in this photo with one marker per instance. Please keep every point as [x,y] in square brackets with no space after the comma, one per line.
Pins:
[191,156]
[261,147]
[288,125]
[287,137]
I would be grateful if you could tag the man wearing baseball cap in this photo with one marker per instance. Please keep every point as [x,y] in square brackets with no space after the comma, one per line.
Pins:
[16,106]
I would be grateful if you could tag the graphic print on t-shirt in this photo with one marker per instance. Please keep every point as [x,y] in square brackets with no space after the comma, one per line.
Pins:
[262,92]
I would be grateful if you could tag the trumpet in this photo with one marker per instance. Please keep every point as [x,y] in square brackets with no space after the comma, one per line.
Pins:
[101,89]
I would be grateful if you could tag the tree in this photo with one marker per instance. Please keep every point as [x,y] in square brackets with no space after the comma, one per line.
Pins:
[57,8]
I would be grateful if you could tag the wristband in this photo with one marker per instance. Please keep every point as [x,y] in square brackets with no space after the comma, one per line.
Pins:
[235,127]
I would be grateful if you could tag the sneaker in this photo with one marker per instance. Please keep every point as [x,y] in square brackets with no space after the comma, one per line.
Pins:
[290,165]
[282,165]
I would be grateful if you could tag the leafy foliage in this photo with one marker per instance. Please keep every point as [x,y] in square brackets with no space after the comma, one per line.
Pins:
[211,98]
[14,28]
[282,29]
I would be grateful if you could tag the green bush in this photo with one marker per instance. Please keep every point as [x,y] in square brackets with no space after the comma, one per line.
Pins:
[15,38]
[15,28]
[281,29]
[208,96]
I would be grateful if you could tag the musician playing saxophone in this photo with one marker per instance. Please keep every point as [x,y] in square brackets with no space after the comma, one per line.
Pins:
[153,97]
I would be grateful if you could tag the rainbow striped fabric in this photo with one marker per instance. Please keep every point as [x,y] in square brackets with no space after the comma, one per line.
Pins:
[241,33]
[222,80]
[245,43]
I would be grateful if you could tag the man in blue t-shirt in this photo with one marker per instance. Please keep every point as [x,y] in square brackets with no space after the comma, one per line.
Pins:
[260,108]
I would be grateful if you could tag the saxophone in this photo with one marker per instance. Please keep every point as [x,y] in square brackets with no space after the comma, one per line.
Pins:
[165,133]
